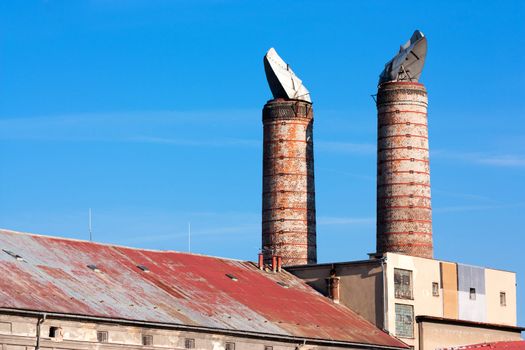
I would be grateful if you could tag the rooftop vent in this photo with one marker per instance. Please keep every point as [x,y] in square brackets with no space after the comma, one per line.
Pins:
[143,268]
[14,255]
[232,277]
[282,284]
[94,268]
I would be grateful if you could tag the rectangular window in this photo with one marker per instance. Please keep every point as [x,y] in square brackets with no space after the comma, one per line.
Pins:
[147,340]
[404,321]
[435,289]
[503,299]
[267,347]
[189,343]
[229,346]
[472,293]
[102,336]
[403,284]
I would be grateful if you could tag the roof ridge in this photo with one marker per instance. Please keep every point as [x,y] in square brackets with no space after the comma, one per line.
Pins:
[112,245]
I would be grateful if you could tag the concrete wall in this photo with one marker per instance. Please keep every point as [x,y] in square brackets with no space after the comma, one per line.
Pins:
[439,335]
[19,333]
[469,309]
[361,286]
[497,281]
[424,273]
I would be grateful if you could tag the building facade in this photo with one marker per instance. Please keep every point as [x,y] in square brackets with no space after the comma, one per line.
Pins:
[394,290]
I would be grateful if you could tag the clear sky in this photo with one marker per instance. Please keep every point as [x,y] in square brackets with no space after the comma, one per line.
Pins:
[150,113]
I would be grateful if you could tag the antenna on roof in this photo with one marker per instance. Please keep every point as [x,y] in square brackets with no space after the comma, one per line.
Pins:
[90,227]
[189,237]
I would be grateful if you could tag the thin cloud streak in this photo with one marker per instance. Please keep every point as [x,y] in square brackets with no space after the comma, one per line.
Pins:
[464,208]
[197,143]
[489,159]
[328,220]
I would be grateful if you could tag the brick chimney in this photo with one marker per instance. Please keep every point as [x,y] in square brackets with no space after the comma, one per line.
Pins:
[404,214]
[288,206]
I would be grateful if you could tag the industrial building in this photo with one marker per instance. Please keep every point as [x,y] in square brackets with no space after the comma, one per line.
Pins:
[402,289]
[58,293]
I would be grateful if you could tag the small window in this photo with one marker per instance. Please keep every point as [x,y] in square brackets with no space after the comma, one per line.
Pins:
[268,347]
[472,293]
[435,289]
[189,343]
[502,299]
[229,346]
[147,339]
[102,336]
[403,284]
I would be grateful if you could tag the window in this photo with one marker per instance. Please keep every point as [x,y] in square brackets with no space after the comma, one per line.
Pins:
[502,299]
[403,284]
[56,333]
[404,321]
[435,289]
[229,346]
[189,343]
[268,347]
[472,293]
[102,337]
[147,339]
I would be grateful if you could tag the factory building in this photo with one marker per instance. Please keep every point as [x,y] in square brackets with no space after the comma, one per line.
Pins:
[60,293]
[421,300]
[425,302]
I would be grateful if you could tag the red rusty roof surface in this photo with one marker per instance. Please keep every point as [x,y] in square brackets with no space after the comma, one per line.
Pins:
[501,345]
[180,288]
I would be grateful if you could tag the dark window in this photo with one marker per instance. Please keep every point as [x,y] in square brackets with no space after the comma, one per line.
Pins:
[472,293]
[403,284]
[404,321]
[147,340]
[189,343]
[267,347]
[435,289]
[102,336]
[503,299]
[229,346]
[53,332]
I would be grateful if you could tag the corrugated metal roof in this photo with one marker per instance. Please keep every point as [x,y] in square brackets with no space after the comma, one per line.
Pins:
[501,345]
[52,274]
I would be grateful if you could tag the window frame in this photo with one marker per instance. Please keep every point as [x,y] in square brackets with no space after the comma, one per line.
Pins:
[398,292]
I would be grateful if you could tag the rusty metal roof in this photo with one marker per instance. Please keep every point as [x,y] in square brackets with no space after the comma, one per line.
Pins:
[500,345]
[52,274]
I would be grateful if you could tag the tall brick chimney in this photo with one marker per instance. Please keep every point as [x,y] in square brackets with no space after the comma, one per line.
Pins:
[404,214]
[288,206]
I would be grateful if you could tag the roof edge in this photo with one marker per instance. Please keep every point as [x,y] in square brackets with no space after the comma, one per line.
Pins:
[434,319]
[248,334]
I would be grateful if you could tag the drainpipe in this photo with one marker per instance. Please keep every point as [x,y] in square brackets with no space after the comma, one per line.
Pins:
[385,294]
[41,320]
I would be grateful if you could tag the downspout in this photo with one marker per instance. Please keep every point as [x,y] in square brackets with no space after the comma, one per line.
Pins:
[385,295]
[41,320]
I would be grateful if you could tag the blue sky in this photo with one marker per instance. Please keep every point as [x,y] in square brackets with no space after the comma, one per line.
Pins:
[150,113]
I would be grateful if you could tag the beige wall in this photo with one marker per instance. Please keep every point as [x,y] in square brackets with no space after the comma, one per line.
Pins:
[424,272]
[497,281]
[439,335]
[19,333]
[449,280]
